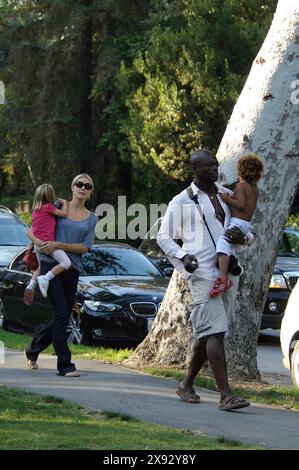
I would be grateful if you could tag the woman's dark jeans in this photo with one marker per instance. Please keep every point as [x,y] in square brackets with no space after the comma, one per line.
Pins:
[62,291]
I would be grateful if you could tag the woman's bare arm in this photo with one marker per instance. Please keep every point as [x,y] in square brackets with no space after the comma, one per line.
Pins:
[49,247]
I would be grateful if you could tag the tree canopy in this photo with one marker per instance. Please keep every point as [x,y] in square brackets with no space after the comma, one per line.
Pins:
[121,89]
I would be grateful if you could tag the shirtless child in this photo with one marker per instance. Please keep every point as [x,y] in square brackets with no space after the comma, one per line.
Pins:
[242,203]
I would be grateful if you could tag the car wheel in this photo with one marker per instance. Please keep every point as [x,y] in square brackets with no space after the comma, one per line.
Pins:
[295,365]
[2,316]
[74,329]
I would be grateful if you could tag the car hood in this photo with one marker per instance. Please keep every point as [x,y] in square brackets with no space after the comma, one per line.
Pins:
[286,263]
[124,287]
[7,253]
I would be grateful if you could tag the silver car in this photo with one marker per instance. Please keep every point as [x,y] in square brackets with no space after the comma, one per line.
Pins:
[13,236]
[289,335]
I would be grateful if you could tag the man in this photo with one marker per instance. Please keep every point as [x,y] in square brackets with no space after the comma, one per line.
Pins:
[199,227]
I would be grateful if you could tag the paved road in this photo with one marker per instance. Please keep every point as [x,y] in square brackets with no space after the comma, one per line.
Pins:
[152,399]
[269,358]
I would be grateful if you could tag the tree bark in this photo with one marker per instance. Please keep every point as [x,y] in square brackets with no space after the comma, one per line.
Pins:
[167,343]
[264,120]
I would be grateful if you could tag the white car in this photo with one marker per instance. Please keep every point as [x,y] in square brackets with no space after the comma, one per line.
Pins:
[289,335]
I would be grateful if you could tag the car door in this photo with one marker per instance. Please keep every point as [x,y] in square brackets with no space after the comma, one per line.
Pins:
[13,283]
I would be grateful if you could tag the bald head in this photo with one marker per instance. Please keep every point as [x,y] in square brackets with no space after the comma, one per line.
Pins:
[204,165]
[199,156]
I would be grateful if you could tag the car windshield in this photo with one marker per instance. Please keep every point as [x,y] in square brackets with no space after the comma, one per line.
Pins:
[13,232]
[117,262]
[289,246]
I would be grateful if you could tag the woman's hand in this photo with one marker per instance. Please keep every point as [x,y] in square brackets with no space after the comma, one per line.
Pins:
[48,247]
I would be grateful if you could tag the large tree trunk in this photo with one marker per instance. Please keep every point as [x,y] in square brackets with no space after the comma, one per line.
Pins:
[167,343]
[264,120]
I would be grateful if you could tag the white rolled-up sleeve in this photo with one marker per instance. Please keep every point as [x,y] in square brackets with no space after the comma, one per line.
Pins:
[171,230]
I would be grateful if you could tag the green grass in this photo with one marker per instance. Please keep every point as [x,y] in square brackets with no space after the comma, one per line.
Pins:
[19,341]
[29,421]
[277,395]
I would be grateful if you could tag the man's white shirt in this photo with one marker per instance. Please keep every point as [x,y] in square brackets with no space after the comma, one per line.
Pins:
[182,220]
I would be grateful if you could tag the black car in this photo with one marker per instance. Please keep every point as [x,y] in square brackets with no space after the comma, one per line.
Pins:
[118,296]
[284,278]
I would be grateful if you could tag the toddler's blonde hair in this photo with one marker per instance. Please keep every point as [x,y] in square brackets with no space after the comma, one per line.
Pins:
[44,194]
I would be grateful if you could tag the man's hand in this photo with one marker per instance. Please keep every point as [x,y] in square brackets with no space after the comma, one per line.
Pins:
[190,263]
[235,236]
[48,247]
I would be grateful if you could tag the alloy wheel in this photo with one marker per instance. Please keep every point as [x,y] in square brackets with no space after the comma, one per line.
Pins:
[74,329]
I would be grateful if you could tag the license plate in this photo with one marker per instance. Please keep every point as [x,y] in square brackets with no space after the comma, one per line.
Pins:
[149,323]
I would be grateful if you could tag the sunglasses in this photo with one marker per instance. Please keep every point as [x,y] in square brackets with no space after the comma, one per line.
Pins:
[81,185]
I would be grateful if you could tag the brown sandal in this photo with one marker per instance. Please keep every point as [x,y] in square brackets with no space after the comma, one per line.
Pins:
[233,403]
[188,395]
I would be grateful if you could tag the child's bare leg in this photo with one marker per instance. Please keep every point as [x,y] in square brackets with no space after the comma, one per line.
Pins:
[223,265]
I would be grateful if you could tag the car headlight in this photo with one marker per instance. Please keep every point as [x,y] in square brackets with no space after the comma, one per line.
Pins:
[278,282]
[97,306]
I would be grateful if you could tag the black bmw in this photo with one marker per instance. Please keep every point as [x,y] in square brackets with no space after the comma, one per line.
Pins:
[119,294]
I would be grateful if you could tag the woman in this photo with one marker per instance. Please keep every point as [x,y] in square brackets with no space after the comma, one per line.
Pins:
[74,234]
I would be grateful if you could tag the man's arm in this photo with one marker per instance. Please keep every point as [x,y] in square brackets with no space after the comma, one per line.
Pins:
[171,230]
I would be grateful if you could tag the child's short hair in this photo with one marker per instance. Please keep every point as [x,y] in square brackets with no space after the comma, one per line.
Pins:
[250,167]
[43,195]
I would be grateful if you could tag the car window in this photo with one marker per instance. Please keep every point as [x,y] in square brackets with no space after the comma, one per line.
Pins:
[12,232]
[119,262]
[18,263]
[289,245]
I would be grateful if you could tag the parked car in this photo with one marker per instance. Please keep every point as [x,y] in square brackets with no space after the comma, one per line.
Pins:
[289,335]
[283,280]
[285,274]
[13,235]
[118,296]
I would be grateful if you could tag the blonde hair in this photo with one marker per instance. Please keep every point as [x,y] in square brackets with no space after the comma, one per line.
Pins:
[82,175]
[44,194]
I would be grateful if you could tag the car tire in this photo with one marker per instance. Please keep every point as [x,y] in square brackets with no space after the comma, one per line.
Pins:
[3,323]
[74,329]
[295,365]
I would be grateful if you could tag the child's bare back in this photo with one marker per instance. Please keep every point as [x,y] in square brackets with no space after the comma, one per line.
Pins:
[246,196]
[244,199]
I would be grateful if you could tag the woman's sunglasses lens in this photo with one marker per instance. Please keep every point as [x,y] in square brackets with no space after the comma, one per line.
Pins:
[80,185]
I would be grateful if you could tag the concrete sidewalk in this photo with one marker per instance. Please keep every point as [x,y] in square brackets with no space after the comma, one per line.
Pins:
[152,399]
